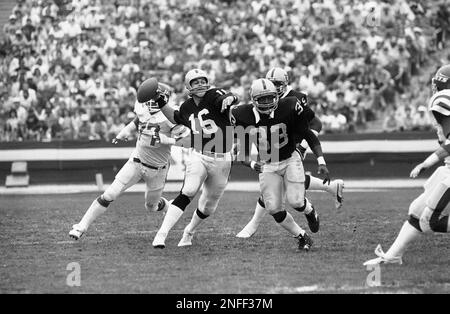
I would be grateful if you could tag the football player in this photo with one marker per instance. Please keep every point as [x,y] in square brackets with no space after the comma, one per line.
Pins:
[206,114]
[279,124]
[280,79]
[425,212]
[148,161]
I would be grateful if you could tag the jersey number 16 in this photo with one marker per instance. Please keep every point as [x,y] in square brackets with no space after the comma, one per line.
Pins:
[208,126]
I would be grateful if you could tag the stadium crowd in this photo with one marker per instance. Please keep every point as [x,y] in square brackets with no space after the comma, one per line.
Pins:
[70,69]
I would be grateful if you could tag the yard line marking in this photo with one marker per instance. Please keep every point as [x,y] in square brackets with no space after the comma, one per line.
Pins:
[375,185]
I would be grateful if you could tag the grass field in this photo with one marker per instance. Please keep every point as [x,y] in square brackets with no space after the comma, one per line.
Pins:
[116,255]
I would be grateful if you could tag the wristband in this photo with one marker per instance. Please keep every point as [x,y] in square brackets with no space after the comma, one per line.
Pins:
[321,160]
[304,144]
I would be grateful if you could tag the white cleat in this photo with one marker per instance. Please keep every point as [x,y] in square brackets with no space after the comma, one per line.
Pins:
[76,232]
[159,240]
[382,259]
[248,231]
[244,234]
[186,240]
[339,193]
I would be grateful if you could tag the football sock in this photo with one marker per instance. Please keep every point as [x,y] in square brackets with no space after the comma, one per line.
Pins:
[316,184]
[288,223]
[406,235]
[173,214]
[97,208]
[197,218]
[257,217]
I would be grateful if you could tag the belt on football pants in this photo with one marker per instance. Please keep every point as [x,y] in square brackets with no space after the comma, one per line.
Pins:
[147,165]
[214,155]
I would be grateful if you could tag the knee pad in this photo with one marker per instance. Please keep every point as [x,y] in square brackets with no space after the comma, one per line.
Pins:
[202,215]
[113,191]
[280,216]
[101,200]
[181,201]
[414,221]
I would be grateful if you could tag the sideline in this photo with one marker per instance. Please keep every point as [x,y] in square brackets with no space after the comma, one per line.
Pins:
[243,186]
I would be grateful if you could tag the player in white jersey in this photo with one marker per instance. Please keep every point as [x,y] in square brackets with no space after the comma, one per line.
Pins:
[335,188]
[425,212]
[149,161]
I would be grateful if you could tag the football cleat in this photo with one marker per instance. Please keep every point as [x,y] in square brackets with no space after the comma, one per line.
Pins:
[76,232]
[382,258]
[245,233]
[313,220]
[163,205]
[339,193]
[304,242]
[186,240]
[159,240]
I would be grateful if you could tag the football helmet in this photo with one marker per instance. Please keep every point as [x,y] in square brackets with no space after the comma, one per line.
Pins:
[279,78]
[441,79]
[264,96]
[147,93]
[198,90]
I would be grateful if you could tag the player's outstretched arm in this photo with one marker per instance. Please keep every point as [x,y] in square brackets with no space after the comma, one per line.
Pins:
[431,160]
[316,126]
[126,132]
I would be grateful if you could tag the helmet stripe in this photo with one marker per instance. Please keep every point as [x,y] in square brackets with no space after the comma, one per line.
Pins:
[273,73]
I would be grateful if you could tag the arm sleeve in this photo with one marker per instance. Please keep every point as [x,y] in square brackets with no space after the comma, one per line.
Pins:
[315,124]
[179,117]
[313,143]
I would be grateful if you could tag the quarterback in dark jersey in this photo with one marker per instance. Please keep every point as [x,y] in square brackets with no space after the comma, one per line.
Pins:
[206,114]
[279,125]
[280,79]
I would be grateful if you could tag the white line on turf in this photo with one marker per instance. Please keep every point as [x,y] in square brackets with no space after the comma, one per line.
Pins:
[351,186]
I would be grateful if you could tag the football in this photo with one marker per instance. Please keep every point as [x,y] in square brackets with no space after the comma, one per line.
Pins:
[148,90]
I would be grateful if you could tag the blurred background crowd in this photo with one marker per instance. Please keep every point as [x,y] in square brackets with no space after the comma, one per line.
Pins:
[70,69]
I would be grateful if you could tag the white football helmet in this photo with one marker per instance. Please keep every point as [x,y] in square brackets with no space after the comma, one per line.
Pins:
[264,96]
[146,94]
[195,74]
[279,78]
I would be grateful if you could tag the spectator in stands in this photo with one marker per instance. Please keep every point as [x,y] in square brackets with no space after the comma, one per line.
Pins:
[390,123]
[325,45]
[421,120]
[84,130]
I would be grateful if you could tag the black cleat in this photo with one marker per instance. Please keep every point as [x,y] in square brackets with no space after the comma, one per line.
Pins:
[313,220]
[304,242]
